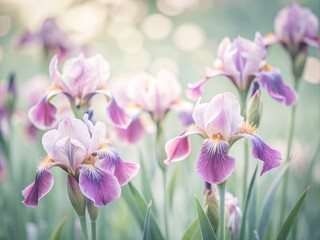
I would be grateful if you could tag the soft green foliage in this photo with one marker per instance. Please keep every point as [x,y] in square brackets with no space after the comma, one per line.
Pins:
[286,226]
[57,231]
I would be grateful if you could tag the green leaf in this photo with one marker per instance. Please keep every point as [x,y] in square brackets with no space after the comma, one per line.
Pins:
[193,231]
[245,210]
[57,231]
[286,226]
[145,179]
[252,211]
[173,184]
[146,227]
[207,232]
[138,207]
[268,203]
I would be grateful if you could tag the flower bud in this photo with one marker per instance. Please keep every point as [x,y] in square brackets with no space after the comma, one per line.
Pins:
[77,199]
[298,64]
[211,204]
[92,210]
[12,94]
[254,108]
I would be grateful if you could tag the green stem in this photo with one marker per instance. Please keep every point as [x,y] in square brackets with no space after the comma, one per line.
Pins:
[93,230]
[243,101]
[288,154]
[221,189]
[165,203]
[84,227]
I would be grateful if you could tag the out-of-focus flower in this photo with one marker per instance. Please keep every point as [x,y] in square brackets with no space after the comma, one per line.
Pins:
[8,96]
[234,215]
[242,61]
[148,94]
[254,107]
[3,168]
[79,81]
[81,150]
[295,28]
[52,39]
[219,122]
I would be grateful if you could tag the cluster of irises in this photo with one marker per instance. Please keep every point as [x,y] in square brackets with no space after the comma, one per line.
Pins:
[79,145]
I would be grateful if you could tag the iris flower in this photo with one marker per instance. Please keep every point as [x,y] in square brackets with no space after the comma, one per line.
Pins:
[295,28]
[52,38]
[80,80]
[154,95]
[80,149]
[220,123]
[242,60]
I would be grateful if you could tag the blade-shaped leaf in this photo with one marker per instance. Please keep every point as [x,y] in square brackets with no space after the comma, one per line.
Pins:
[173,184]
[286,226]
[146,227]
[268,203]
[57,231]
[138,207]
[207,232]
[193,231]
[246,205]
[146,187]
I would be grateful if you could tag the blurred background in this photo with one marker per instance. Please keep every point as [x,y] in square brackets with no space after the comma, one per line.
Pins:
[181,36]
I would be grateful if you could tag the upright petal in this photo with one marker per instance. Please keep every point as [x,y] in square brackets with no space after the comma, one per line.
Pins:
[123,171]
[272,81]
[271,158]
[117,115]
[214,164]
[42,184]
[43,115]
[100,186]
[179,148]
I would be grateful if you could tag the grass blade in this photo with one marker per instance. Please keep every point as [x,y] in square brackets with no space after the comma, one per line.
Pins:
[146,227]
[173,184]
[57,231]
[207,232]
[268,203]
[193,231]
[286,226]
[245,210]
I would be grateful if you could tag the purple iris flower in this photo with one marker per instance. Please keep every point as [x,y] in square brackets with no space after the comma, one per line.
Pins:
[53,40]
[234,215]
[80,148]
[80,80]
[220,123]
[295,28]
[242,61]
[154,95]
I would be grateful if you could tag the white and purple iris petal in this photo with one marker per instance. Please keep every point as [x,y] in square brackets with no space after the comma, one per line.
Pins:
[117,115]
[133,133]
[277,89]
[271,158]
[214,165]
[111,161]
[100,186]
[43,115]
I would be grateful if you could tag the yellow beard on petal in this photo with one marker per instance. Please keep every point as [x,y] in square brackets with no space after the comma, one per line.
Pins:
[45,163]
[248,128]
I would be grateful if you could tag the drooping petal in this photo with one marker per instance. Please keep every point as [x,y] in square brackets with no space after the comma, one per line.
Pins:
[195,89]
[179,148]
[214,164]
[100,186]
[117,115]
[133,133]
[42,184]
[271,158]
[43,115]
[112,162]
[272,81]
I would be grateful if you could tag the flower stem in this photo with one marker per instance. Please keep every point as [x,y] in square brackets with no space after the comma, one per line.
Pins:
[84,227]
[288,154]
[165,203]
[93,230]
[221,189]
